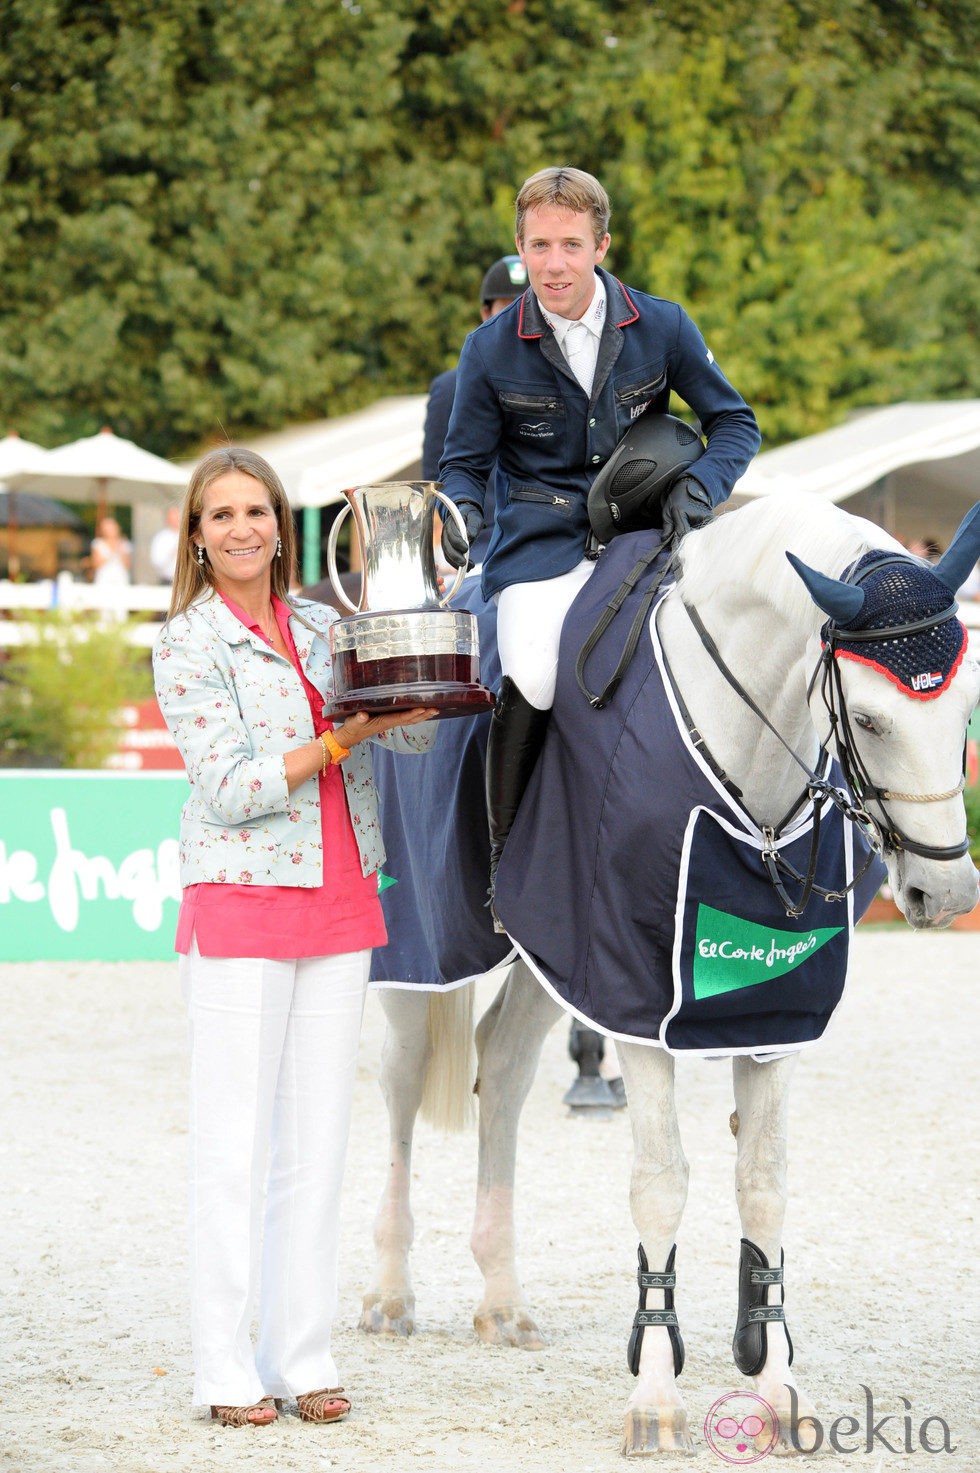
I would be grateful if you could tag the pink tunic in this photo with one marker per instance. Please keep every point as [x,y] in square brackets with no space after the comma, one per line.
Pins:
[279,921]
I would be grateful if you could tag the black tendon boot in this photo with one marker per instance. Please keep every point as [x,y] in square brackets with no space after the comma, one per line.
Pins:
[516,736]
[666,1316]
[750,1345]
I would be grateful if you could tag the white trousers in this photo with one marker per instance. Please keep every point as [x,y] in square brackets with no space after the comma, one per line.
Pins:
[529,623]
[273,1061]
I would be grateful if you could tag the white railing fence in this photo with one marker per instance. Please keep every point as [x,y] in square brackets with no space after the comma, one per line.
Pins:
[68,596]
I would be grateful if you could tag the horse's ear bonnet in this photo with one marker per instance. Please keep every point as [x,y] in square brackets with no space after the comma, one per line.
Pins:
[628,493]
[897,614]
[899,592]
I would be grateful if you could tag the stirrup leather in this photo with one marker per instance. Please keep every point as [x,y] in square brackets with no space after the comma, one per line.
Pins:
[750,1345]
[667,1281]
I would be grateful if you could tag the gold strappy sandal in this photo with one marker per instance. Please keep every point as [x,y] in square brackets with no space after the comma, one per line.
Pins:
[242,1416]
[327,1405]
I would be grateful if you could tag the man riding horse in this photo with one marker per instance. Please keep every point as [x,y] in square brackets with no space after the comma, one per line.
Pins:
[544,392]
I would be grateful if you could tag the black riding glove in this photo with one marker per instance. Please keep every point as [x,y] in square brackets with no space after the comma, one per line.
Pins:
[686,505]
[455,548]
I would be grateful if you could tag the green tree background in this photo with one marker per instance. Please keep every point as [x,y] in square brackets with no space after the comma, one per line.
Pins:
[222,217]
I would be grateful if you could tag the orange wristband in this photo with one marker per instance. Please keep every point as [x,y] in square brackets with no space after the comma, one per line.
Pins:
[330,744]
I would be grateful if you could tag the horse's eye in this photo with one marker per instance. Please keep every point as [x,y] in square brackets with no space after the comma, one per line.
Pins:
[865,722]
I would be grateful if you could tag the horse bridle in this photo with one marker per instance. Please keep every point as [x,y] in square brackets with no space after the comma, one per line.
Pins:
[856,774]
[883,835]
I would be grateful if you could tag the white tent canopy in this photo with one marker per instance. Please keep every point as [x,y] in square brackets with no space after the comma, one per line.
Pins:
[317,462]
[913,468]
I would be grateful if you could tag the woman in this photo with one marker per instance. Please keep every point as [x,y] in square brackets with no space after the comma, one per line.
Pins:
[111,555]
[280,844]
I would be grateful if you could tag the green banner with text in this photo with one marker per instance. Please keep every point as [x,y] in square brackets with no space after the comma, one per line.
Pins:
[731,953]
[89,866]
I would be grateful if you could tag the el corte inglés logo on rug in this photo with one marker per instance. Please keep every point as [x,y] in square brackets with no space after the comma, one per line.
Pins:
[730,953]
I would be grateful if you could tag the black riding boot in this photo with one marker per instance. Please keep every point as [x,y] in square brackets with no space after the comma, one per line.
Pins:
[750,1345]
[515,739]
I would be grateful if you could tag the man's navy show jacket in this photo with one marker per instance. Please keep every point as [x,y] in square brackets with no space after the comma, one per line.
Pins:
[518,404]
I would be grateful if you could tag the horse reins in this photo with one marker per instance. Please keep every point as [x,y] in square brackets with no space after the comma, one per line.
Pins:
[818,789]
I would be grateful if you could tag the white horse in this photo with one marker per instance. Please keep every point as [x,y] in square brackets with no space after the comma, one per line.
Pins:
[908,756]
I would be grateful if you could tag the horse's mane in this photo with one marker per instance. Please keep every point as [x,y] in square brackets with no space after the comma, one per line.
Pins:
[750,545]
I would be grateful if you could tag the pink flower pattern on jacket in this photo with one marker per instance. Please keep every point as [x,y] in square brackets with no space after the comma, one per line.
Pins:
[234,708]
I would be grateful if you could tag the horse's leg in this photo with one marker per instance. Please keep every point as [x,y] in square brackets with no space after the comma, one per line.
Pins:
[761,1126]
[508,1045]
[389,1305]
[656,1420]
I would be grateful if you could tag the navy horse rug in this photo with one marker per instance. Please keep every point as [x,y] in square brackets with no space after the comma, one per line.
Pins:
[633,881]
[434,824]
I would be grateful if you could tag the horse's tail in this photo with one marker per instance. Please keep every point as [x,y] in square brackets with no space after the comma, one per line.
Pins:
[447,1099]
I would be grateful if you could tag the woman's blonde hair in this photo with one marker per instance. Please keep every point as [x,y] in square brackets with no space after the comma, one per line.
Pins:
[192,578]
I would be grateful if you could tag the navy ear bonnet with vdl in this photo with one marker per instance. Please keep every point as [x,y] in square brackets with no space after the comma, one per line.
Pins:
[899,592]
[897,614]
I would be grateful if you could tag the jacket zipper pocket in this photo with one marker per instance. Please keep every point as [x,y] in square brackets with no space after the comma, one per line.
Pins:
[641,391]
[547,498]
[531,403]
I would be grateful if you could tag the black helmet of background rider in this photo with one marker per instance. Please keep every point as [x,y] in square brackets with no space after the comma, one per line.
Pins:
[505,280]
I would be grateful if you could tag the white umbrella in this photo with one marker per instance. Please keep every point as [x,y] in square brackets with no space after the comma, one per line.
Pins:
[104,468]
[16,457]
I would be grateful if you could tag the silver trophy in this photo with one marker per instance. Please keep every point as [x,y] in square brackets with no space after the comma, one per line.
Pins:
[402,647]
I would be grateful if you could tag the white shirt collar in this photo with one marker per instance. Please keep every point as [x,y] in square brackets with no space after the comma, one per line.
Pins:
[593,317]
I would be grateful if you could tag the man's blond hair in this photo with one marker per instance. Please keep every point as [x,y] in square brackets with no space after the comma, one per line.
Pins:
[565,188]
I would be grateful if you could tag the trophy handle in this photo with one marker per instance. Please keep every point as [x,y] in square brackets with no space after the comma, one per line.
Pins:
[460,571]
[332,568]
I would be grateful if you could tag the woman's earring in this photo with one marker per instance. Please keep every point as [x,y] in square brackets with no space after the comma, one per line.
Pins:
[278,547]
[200,555]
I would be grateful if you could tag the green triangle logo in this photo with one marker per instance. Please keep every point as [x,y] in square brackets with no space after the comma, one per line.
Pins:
[730,953]
[385,882]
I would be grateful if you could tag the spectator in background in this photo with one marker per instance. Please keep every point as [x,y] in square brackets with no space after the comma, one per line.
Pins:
[111,555]
[163,547]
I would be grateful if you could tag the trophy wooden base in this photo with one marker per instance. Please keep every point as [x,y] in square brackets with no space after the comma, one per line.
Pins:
[383,663]
[383,700]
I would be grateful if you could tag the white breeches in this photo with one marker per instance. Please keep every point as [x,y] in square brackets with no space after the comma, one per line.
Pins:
[273,1060]
[529,623]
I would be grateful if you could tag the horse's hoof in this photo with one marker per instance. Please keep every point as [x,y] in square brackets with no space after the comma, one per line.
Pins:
[390,1315]
[650,1431]
[513,1327]
[794,1443]
[792,1439]
[594,1097]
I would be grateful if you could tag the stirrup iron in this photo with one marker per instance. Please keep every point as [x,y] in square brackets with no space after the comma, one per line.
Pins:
[667,1316]
[750,1345]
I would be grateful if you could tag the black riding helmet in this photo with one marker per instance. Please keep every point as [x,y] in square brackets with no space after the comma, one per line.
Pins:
[628,493]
